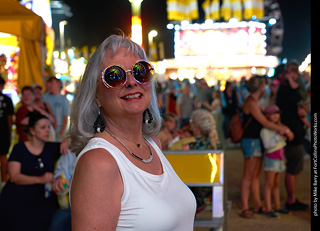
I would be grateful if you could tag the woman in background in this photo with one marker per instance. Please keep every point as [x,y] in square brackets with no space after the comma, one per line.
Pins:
[252,147]
[24,204]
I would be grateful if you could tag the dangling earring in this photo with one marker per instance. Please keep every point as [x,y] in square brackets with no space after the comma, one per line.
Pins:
[99,124]
[150,117]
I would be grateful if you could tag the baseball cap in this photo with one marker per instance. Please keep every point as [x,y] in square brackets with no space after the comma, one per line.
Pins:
[271,109]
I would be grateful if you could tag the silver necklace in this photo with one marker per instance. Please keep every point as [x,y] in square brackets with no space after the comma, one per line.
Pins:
[134,155]
[138,144]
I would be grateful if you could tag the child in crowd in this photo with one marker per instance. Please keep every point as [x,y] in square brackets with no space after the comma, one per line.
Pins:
[274,163]
[168,131]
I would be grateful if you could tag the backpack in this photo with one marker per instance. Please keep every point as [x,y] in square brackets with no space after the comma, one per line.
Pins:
[236,129]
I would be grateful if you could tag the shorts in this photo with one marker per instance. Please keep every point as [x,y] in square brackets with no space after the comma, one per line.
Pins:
[251,147]
[294,155]
[274,165]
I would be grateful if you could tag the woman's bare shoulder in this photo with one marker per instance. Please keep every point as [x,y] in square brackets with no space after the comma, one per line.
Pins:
[97,160]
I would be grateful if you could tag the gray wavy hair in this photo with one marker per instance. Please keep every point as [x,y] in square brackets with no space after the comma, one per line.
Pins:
[84,110]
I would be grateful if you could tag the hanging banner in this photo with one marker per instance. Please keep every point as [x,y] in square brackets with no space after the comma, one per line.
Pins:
[253,8]
[179,10]
[211,9]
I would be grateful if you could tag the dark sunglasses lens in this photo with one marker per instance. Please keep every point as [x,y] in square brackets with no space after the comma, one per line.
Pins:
[143,72]
[115,76]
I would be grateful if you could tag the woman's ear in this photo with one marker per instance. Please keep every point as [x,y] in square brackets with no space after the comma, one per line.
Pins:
[31,131]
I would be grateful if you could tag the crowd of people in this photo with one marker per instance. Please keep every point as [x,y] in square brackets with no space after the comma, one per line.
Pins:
[28,199]
[276,119]
[276,112]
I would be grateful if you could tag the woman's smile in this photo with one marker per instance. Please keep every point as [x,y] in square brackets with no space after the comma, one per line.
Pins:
[132,96]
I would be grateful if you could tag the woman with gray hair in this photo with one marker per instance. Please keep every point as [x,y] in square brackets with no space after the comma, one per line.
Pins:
[122,181]
[251,145]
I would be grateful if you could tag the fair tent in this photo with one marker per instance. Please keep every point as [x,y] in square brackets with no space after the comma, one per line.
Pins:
[30,29]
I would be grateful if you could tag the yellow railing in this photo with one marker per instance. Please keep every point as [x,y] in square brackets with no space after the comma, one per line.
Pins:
[197,167]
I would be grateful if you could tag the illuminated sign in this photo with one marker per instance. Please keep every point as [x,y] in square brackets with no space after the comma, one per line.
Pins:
[221,39]
[136,28]
[61,66]
[41,8]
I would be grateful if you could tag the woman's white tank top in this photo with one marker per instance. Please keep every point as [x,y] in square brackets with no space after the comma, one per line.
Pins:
[150,202]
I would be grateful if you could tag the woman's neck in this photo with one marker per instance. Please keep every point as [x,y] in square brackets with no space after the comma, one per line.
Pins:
[36,143]
[255,96]
[35,146]
[125,128]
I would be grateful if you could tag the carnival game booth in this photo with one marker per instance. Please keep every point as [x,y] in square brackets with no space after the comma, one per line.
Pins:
[219,51]
[31,31]
[203,168]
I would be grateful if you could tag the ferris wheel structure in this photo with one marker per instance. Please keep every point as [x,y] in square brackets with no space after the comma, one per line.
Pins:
[274,25]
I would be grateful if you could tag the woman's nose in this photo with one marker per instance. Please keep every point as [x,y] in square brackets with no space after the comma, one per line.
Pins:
[131,81]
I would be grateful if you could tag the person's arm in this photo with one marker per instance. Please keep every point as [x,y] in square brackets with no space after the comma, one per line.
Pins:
[64,125]
[21,116]
[293,84]
[289,134]
[64,146]
[215,104]
[178,110]
[62,165]
[96,192]
[54,123]
[65,113]
[257,114]
[43,112]
[206,105]
[14,169]
[57,185]
[65,164]
[196,102]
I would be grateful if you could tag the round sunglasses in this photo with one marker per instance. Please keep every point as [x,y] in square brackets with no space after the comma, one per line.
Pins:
[116,76]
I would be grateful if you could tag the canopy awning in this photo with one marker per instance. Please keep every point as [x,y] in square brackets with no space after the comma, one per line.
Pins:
[30,28]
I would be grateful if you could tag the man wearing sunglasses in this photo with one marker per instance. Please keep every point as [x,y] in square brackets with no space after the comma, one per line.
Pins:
[122,178]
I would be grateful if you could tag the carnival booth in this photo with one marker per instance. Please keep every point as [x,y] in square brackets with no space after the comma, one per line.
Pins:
[204,168]
[30,29]
[225,51]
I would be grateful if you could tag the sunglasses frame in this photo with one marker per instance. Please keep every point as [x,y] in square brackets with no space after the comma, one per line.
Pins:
[126,71]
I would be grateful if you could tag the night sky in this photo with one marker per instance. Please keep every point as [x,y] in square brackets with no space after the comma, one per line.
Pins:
[94,20]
